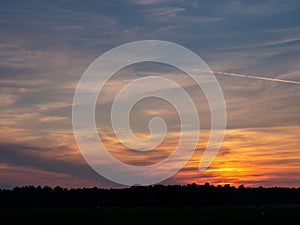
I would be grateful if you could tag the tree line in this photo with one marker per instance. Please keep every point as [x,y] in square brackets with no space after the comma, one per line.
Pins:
[191,195]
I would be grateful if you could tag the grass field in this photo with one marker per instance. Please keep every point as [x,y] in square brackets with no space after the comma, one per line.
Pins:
[157,216]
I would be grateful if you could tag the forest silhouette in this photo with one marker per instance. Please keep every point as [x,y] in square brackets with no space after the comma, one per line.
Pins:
[190,195]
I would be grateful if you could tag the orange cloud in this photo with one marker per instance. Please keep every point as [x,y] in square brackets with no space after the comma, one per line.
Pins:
[252,156]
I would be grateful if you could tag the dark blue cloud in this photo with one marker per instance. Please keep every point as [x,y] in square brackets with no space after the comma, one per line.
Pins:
[28,156]
[198,24]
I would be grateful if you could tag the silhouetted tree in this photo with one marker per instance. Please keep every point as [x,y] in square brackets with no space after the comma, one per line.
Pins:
[156,195]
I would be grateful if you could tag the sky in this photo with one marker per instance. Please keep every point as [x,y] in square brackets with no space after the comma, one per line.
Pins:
[45,47]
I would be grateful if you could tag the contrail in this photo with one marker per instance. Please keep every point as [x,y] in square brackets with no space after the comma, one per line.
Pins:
[256,77]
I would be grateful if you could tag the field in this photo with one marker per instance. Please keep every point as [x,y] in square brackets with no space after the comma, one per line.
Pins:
[157,216]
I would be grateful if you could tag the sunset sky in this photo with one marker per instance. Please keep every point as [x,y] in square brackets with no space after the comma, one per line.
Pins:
[45,47]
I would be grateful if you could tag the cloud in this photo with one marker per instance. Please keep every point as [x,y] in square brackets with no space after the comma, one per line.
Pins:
[149,2]
[259,77]
[8,99]
[253,156]
[50,119]
[18,156]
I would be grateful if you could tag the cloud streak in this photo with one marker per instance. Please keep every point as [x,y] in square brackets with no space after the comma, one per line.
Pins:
[256,77]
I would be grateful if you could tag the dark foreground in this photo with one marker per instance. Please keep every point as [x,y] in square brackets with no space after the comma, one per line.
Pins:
[145,215]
